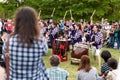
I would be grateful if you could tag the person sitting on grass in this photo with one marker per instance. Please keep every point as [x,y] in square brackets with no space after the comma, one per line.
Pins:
[112,75]
[104,68]
[55,72]
[85,70]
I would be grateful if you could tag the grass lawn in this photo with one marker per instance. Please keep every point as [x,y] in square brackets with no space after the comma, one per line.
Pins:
[72,68]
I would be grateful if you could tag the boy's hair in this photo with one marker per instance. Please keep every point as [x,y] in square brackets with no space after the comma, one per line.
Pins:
[105,55]
[112,63]
[54,60]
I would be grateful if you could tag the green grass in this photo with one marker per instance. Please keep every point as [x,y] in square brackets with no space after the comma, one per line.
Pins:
[72,69]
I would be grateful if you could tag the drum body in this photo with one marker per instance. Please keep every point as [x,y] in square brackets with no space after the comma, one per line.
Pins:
[60,48]
[77,52]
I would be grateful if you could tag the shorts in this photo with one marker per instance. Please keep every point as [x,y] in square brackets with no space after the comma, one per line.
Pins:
[95,52]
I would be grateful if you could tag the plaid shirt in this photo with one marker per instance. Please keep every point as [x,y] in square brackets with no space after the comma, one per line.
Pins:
[105,68]
[26,62]
[56,73]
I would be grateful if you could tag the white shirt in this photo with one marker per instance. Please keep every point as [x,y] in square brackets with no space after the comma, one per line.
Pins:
[0,26]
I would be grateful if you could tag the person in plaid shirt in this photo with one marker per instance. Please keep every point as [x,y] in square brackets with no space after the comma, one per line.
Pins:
[105,55]
[56,73]
[26,48]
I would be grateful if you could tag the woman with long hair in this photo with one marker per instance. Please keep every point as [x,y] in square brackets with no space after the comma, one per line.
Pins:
[85,70]
[26,47]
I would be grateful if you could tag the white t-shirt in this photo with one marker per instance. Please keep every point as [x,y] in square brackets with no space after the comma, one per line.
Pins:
[112,75]
[0,26]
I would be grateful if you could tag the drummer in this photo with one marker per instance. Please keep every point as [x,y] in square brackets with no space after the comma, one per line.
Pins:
[96,42]
[88,30]
[77,38]
[71,28]
[53,32]
[44,28]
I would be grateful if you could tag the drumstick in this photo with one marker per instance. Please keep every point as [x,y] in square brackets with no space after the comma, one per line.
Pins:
[65,15]
[81,20]
[102,21]
[84,22]
[39,14]
[53,12]
[93,13]
[71,14]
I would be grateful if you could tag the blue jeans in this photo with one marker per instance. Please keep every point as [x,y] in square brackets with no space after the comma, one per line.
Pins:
[118,43]
[111,42]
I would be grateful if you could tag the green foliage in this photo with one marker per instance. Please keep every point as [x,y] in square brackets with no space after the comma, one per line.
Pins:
[80,8]
[1,11]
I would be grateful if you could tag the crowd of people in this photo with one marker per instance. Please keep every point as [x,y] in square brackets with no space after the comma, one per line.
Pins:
[28,43]
[76,31]
[81,31]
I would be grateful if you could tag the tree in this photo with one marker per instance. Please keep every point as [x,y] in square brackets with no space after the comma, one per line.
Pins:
[79,8]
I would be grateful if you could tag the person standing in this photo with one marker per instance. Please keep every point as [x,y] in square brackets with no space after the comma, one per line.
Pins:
[119,37]
[1,25]
[96,42]
[77,38]
[9,26]
[116,36]
[26,48]
[111,37]
[53,33]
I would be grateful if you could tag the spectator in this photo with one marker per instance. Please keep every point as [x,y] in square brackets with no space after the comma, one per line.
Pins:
[104,68]
[111,38]
[107,28]
[9,26]
[2,73]
[1,26]
[85,70]
[112,75]
[116,36]
[56,73]
[26,48]
[118,44]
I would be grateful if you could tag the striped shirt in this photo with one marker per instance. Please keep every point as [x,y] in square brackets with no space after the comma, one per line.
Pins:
[56,73]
